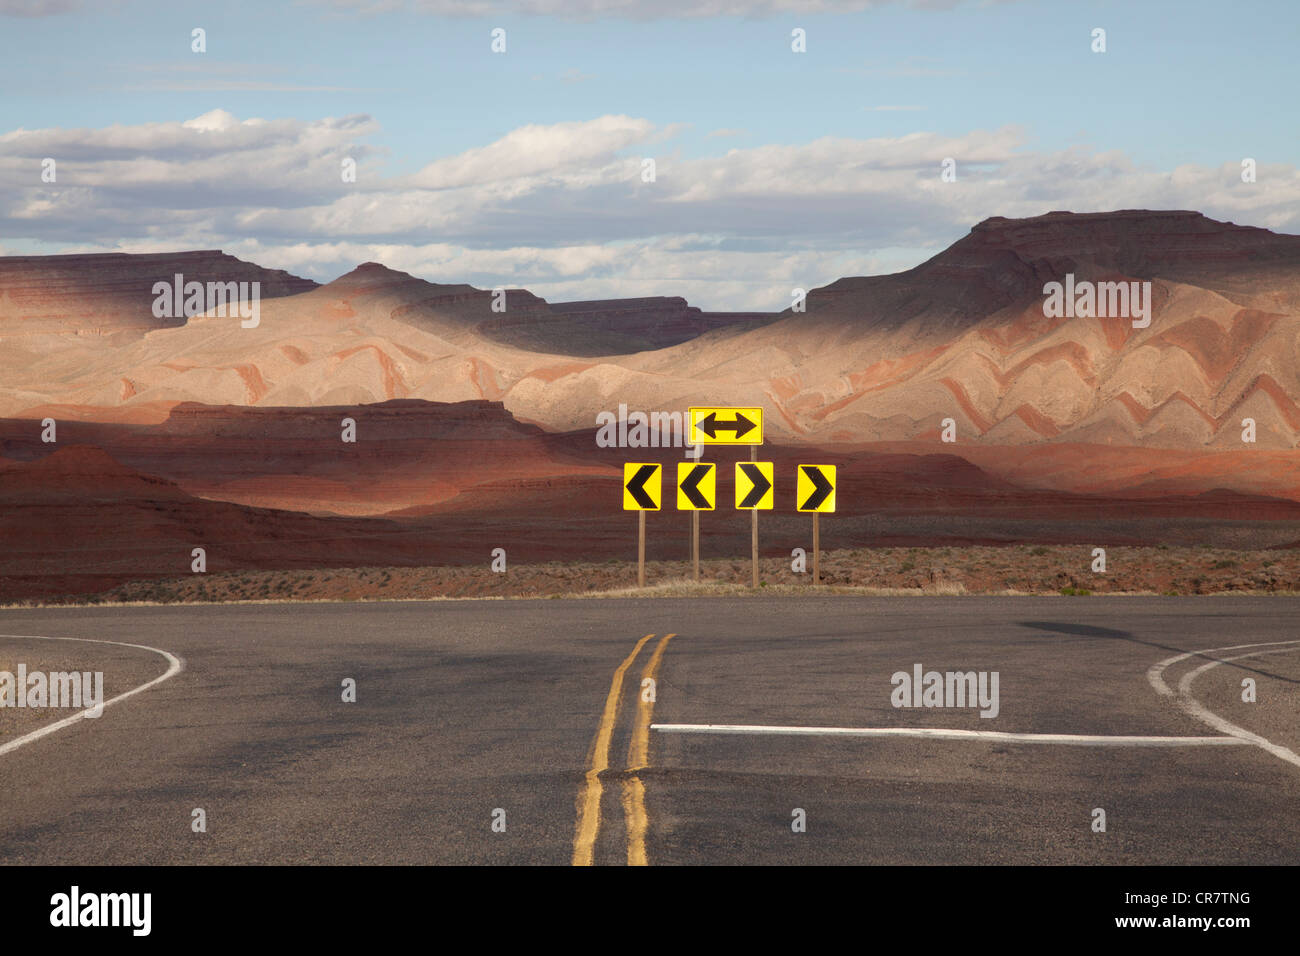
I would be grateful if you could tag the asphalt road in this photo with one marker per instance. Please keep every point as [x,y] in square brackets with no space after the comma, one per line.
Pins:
[540,709]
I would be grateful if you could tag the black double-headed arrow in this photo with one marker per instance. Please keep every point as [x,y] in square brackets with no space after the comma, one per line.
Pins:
[710,425]
[760,483]
[691,486]
[821,488]
[636,487]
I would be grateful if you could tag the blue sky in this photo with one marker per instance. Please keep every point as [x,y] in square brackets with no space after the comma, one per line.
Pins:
[758,184]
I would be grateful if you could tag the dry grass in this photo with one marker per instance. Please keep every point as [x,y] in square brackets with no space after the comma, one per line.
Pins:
[1009,571]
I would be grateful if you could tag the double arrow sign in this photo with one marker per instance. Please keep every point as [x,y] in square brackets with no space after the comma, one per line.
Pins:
[740,426]
[697,486]
[724,425]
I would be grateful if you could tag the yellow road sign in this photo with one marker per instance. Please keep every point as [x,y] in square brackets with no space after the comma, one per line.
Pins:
[815,489]
[697,486]
[754,485]
[642,486]
[724,425]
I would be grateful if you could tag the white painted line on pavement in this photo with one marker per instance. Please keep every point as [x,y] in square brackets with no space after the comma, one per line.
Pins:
[1195,708]
[1155,673]
[1098,740]
[174,668]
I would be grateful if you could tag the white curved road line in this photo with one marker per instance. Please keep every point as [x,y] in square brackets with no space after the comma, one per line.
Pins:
[934,733]
[1196,709]
[175,664]
[1156,671]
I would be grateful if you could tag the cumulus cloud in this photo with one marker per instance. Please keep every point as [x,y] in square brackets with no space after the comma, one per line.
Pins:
[563,208]
[560,148]
[195,178]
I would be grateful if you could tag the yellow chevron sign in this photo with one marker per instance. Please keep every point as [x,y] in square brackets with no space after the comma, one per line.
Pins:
[697,486]
[724,425]
[815,488]
[755,487]
[642,486]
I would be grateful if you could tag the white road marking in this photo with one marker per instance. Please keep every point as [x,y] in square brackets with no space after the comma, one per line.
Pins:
[1234,735]
[1196,709]
[1155,674]
[1103,740]
[174,668]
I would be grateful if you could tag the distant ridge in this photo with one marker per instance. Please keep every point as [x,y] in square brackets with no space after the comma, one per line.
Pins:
[112,292]
[960,345]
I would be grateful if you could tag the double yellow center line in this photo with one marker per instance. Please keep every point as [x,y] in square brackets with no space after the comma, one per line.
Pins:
[638,758]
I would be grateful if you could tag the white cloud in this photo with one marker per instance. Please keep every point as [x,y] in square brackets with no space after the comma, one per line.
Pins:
[535,149]
[191,179]
[562,207]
